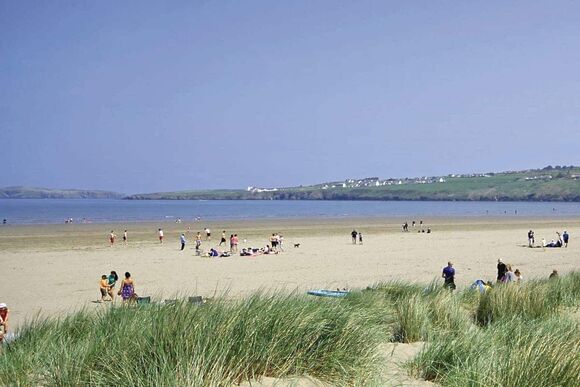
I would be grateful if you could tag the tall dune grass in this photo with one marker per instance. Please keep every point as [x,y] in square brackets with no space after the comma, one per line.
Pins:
[219,344]
[517,334]
[514,352]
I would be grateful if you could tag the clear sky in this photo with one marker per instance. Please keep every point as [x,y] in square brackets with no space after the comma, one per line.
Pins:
[142,96]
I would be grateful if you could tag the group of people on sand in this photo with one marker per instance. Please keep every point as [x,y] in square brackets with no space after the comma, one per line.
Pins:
[405,227]
[113,237]
[126,289]
[505,275]
[560,241]
[356,235]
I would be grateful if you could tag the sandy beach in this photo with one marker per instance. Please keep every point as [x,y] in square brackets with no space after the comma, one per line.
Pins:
[54,269]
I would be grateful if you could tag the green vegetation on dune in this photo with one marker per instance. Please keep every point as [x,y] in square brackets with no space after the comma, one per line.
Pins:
[48,193]
[515,334]
[562,184]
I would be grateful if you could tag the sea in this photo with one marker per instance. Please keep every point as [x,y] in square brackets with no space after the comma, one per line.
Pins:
[50,211]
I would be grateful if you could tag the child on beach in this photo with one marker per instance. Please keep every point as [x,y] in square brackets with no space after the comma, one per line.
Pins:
[104,287]
[112,237]
[360,238]
[160,232]
[125,237]
[223,240]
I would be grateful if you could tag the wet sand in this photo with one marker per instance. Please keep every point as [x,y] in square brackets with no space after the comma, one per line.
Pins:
[54,269]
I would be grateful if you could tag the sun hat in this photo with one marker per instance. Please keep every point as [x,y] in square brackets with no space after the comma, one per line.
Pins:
[2,306]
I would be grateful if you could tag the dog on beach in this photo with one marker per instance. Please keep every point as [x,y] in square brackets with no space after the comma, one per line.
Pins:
[296,245]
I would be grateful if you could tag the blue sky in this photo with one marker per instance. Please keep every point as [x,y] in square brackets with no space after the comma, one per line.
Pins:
[148,96]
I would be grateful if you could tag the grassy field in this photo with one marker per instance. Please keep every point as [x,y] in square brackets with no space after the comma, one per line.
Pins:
[513,335]
[533,185]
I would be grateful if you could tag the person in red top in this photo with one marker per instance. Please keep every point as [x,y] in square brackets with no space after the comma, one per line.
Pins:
[3,321]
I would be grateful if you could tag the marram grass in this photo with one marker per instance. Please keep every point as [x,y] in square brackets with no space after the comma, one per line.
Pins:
[516,334]
[214,345]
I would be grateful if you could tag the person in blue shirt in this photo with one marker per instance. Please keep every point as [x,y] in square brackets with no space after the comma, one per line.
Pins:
[449,276]
[565,237]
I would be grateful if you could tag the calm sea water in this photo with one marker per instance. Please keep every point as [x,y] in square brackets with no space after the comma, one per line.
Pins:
[30,211]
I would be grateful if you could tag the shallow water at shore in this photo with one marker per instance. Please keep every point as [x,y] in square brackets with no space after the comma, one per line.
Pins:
[47,211]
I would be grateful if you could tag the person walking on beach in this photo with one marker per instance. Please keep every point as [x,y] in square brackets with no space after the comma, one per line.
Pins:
[183,241]
[449,276]
[501,269]
[360,238]
[207,234]
[531,240]
[112,238]
[223,240]
[280,241]
[4,312]
[160,232]
[354,234]
[566,238]
[231,243]
[125,237]
[127,291]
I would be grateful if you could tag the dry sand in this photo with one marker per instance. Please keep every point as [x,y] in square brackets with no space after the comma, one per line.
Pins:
[54,269]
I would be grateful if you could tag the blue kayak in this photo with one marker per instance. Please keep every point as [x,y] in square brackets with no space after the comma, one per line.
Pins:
[328,293]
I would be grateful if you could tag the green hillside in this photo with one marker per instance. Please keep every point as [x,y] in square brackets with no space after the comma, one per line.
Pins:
[47,193]
[548,184]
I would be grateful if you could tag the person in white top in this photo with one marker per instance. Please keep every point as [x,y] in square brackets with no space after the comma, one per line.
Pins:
[160,236]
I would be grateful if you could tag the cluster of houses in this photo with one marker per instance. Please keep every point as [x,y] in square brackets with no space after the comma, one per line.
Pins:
[376,182]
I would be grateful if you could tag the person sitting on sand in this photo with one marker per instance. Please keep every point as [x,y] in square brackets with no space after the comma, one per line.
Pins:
[104,287]
[4,313]
[127,291]
[554,243]
[501,269]
[449,275]
[213,253]
[509,275]
[112,281]
[482,286]
[519,276]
